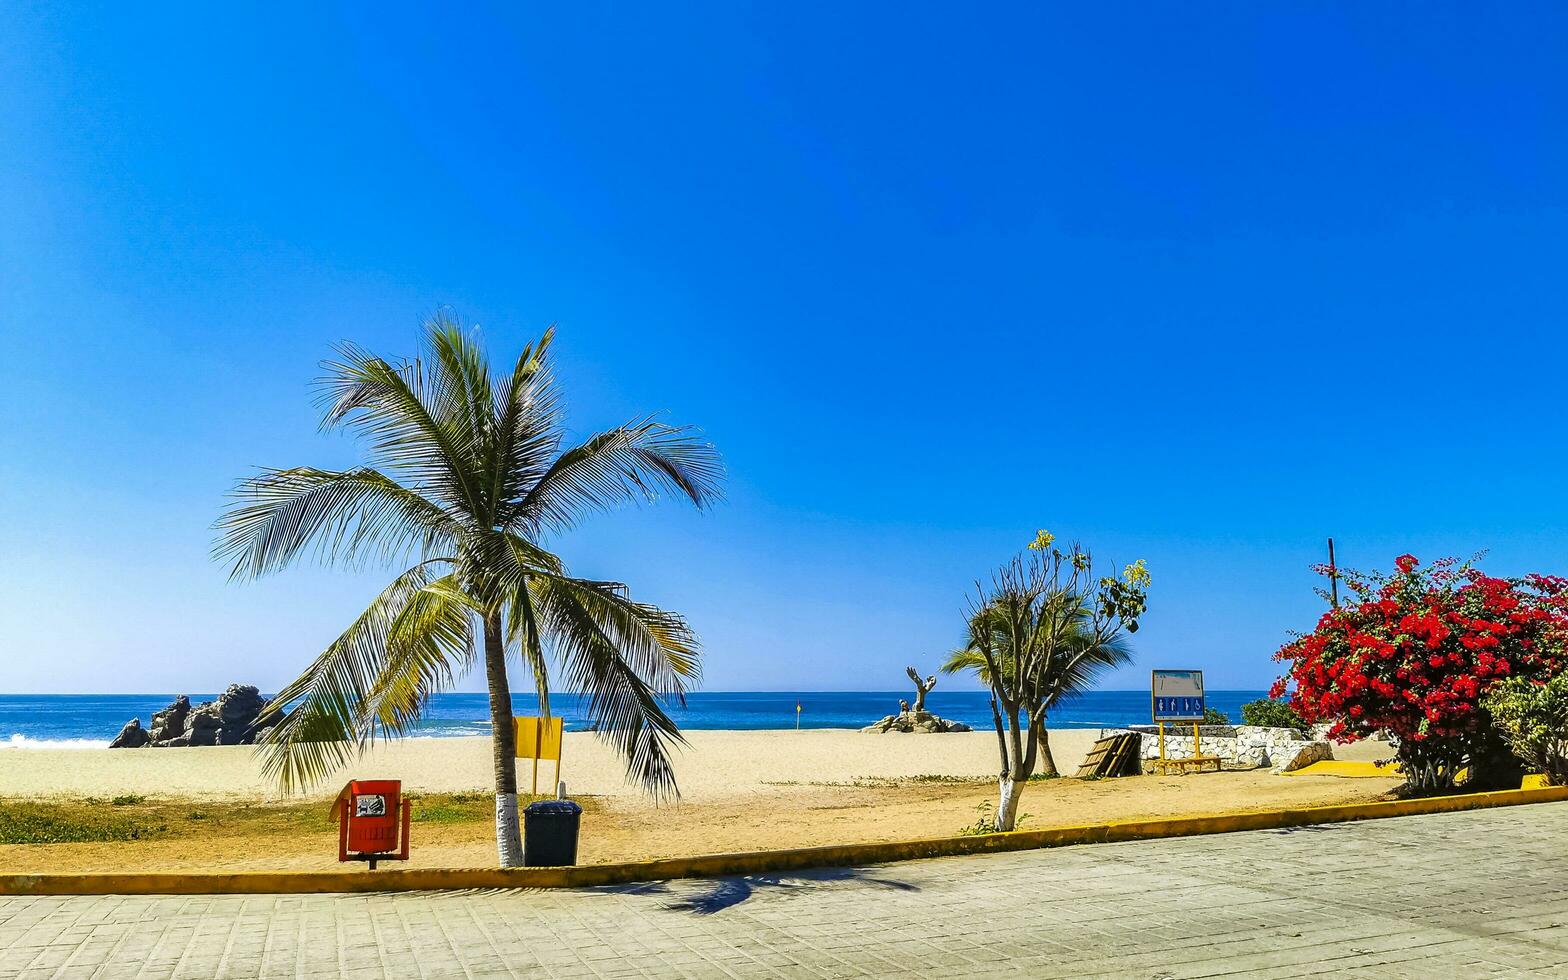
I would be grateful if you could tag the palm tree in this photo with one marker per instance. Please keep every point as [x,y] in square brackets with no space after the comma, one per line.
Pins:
[1074,667]
[1043,627]
[465,476]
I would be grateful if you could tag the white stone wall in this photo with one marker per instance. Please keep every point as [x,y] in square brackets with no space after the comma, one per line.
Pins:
[1281,749]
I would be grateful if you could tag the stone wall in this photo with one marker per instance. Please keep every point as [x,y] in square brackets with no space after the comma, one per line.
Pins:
[1241,746]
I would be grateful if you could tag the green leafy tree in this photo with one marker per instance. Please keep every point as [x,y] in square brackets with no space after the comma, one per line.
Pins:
[1273,713]
[465,476]
[1077,668]
[1045,626]
[1532,717]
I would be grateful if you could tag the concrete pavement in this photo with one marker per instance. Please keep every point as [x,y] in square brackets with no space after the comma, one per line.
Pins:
[1474,894]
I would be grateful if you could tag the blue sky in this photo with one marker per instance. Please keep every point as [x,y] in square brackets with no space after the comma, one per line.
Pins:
[1197,285]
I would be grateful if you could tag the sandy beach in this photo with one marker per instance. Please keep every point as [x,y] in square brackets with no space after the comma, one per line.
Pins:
[209,808]
[713,765]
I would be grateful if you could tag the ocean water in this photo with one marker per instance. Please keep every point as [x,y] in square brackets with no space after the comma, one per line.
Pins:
[91,720]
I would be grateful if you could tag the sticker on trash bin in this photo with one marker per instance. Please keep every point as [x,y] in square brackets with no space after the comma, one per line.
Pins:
[370,806]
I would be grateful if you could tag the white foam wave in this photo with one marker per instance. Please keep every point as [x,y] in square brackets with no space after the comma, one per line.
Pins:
[20,741]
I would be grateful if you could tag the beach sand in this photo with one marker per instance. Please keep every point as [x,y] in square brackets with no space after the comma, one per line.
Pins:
[742,790]
[713,764]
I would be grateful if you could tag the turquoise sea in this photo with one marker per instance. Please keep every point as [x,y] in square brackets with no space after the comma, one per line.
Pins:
[91,720]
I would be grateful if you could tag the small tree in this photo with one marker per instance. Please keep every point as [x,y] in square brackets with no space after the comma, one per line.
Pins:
[1533,720]
[1044,628]
[1272,713]
[1415,652]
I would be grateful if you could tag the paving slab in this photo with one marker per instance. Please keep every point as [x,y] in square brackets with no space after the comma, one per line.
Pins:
[1478,894]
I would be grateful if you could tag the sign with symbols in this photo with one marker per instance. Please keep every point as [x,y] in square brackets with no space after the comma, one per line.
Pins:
[1178,695]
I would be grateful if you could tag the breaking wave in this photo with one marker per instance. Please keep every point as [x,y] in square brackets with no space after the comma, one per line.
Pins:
[20,741]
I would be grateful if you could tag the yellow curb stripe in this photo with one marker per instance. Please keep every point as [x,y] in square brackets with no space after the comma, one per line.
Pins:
[753,862]
[1341,767]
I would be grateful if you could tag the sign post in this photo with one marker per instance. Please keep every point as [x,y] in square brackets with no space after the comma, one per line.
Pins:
[1177,696]
[539,738]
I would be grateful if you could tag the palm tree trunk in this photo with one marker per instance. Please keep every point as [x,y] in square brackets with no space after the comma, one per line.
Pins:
[503,739]
[1047,762]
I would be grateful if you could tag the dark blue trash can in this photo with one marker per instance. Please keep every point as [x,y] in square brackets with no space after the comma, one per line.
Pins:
[550,833]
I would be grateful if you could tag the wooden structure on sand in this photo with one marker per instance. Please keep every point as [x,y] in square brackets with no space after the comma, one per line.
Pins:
[1114,755]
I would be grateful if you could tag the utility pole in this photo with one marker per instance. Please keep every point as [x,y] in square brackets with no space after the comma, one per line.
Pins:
[1333,574]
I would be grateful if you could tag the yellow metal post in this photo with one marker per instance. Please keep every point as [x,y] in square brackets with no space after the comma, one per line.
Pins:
[1197,742]
[1162,746]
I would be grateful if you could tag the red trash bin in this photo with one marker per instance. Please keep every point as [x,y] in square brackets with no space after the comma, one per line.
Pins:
[373,821]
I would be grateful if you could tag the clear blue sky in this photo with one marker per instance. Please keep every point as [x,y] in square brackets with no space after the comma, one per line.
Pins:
[1201,285]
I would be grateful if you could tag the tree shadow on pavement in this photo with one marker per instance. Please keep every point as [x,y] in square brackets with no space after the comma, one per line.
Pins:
[712,897]
[1308,829]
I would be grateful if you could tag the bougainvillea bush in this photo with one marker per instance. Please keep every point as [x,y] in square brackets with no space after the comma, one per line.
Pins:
[1414,652]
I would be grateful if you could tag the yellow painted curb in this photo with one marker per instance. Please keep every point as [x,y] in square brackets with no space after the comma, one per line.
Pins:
[1534,780]
[1342,767]
[752,862]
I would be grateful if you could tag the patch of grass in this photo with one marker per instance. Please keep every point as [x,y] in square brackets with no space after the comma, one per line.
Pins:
[133,817]
[43,823]
[453,808]
[985,821]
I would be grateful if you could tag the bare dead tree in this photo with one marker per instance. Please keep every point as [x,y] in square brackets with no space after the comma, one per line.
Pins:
[922,687]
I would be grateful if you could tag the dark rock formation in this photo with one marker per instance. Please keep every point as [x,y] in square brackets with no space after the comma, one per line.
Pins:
[235,718]
[170,722]
[132,736]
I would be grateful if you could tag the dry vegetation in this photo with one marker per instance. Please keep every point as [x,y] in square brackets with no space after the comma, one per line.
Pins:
[134,833]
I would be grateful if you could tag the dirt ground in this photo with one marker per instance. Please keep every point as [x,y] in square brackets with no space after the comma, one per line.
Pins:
[456,829]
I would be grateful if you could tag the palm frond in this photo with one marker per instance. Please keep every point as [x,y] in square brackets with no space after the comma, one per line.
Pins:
[350,515]
[967,660]
[406,415]
[458,379]
[1050,637]
[428,645]
[523,635]
[625,656]
[325,722]
[527,433]
[627,464]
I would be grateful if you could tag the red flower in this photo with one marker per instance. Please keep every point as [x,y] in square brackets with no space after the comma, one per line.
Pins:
[1413,655]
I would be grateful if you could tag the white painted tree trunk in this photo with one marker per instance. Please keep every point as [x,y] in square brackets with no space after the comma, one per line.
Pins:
[1007,805]
[508,835]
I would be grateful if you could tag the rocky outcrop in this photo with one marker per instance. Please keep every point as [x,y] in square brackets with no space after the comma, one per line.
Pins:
[132,736]
[170,722]
[915,722]
[235,718]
